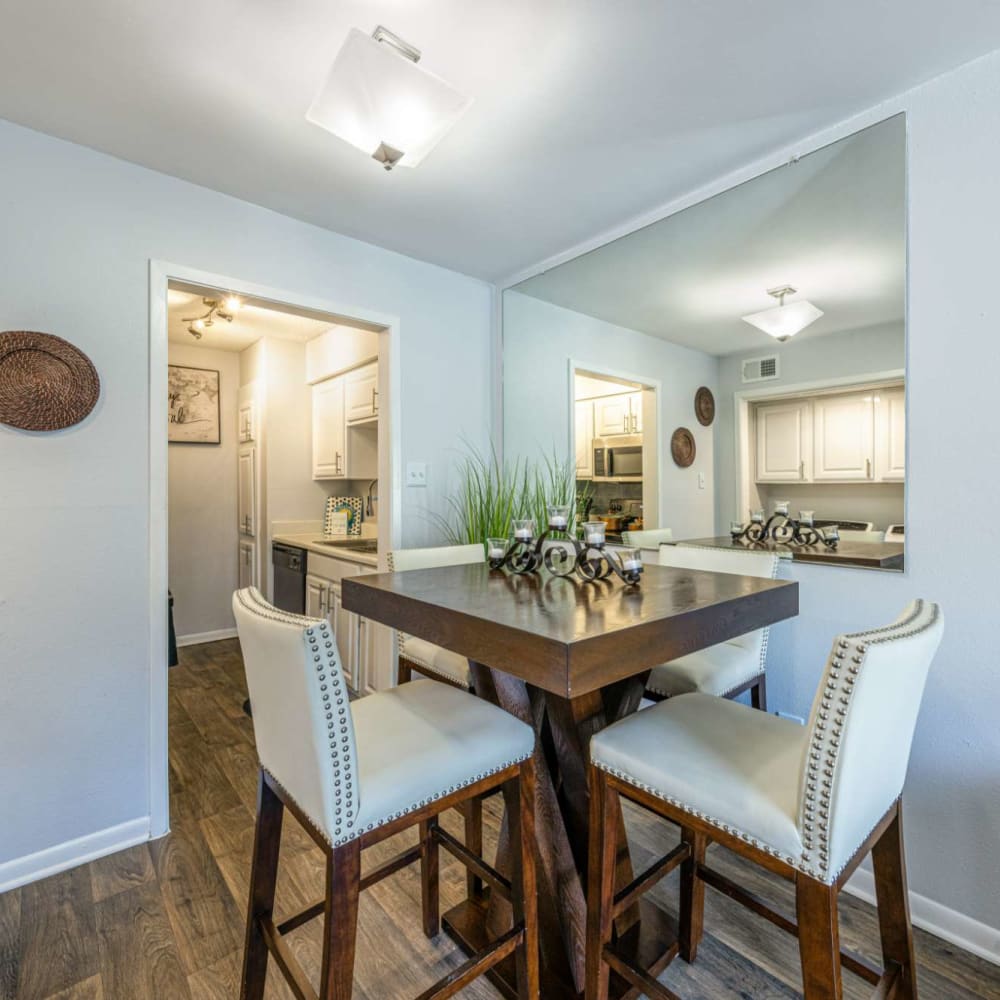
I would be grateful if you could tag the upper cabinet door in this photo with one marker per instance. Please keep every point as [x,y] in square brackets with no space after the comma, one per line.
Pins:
[784,453]
[247,428]
[583,436]
[361,393]
[635,412]
[890,435]
[246,492]
[612,415]
[844,437]
[328,434]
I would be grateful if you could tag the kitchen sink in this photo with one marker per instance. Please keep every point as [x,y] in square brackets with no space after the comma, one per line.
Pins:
[367,545]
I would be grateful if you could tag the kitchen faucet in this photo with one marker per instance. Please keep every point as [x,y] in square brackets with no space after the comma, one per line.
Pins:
[369,508]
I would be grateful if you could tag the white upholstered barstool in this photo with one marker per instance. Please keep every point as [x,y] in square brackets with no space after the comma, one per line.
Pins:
[807,802]
[729,668]
[649,540]
[417,656]
[354,774]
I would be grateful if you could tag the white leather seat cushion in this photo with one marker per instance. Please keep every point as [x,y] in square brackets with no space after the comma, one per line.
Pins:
[732,765]
[436,659]
[716,670]
[421,741]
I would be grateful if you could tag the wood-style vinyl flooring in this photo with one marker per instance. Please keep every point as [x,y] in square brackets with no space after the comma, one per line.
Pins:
[164,921]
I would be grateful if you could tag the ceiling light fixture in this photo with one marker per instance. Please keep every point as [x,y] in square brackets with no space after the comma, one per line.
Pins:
[784,321]
[216,309]
[376,98]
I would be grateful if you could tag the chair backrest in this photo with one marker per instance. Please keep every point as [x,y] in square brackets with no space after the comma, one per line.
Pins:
[862,536]
[651,538]
[744,562]
[860,732]
[301,714]
[401,560]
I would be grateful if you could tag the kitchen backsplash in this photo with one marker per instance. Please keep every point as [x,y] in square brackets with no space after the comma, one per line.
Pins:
[604,493]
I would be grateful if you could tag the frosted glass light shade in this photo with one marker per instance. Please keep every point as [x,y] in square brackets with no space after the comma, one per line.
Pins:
[785,321]
[373,96]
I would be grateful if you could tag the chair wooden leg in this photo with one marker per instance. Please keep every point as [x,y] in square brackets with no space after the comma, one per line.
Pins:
[340,931]
[520,798]
[889,862]
[601,878]
[403,672]
[429,878]
[692,903]
[758,695]
[819,939]
[263,877]
[472,814]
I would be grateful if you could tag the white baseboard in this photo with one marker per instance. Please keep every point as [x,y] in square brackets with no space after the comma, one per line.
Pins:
[937,919]
[62,857]
[197,638]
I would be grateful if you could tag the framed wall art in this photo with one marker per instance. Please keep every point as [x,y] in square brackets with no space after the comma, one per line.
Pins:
[194,413]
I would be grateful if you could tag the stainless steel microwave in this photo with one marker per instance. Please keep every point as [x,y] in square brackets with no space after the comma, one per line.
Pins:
[618,459]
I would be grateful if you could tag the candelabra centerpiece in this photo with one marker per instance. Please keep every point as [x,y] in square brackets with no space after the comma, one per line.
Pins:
[784,529]
[560,552]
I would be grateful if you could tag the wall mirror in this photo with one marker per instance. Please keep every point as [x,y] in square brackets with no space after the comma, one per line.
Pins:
[784,298]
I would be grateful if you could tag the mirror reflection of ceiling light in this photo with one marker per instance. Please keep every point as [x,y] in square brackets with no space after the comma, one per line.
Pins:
[224,310]
[376,98]
[784,321]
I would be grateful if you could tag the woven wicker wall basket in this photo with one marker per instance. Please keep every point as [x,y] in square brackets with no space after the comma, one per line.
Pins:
[46,383]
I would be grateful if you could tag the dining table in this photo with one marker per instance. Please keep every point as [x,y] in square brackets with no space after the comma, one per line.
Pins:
[568,657]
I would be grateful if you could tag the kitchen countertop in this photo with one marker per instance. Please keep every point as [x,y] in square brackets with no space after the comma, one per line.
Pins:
[313,542]
[872,555]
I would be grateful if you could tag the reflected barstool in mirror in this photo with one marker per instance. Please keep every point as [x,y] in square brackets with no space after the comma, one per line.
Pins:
[803,802]
[354,774]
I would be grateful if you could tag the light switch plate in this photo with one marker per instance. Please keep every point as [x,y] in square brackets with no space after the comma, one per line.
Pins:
[416,473]
[701,480]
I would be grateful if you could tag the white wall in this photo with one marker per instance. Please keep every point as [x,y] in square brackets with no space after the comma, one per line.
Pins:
[79,230]
[540,339]
[203,562]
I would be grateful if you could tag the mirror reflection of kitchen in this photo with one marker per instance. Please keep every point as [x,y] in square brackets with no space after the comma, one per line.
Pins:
[784,298]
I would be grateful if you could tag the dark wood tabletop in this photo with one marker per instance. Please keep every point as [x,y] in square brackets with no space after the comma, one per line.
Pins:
[871,555]
[564,635]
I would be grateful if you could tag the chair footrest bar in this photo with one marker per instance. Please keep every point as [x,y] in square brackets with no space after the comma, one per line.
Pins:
[459,978]
[473,862]
[639,978]
[889,984]
[657,871]
[298,981]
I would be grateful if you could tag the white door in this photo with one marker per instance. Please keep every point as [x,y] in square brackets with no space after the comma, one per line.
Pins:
[247,429]
[248,563]
[890,435]
[246,503]
[316,596]
[361,393]
[329,460]
[583,436]
[783,443]
[843,437]
[612,415]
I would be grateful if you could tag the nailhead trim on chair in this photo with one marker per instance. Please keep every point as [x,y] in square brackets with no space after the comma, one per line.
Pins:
[838,688]
[335,705]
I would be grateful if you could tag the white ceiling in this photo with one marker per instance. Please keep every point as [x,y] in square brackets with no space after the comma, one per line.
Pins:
[832,225]
[253,321]
[586,113]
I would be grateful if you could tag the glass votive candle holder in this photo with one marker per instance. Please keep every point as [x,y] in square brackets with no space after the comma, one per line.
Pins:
[735,528]
[631,559]
[523,529]
[757,516]
[496,548]
[807,517]
[781,507]
[559,517]
[832,533]
[594,532]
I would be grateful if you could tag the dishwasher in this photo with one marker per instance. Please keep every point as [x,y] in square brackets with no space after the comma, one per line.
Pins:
[289,577]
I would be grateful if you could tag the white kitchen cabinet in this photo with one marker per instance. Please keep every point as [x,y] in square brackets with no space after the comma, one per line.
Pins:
[618,414]
[247,424]
[583,436]
[337,350]
[890,435]
[843,437]
[784,442]
[246,491]
[316,588]
[366,656]
[361,393]
[248,563]
[329,432]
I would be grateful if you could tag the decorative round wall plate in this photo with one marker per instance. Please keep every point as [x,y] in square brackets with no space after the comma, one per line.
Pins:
[682,447]
[704,406]
[46,383]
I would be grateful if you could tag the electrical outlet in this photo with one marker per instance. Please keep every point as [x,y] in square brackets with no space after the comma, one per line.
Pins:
[416,473]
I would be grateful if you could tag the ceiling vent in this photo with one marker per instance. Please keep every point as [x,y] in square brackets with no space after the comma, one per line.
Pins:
[761,369]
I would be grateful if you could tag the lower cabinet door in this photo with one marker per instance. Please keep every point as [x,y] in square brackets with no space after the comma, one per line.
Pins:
[366,656]
[248,563]
[345,628]
[316,599]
